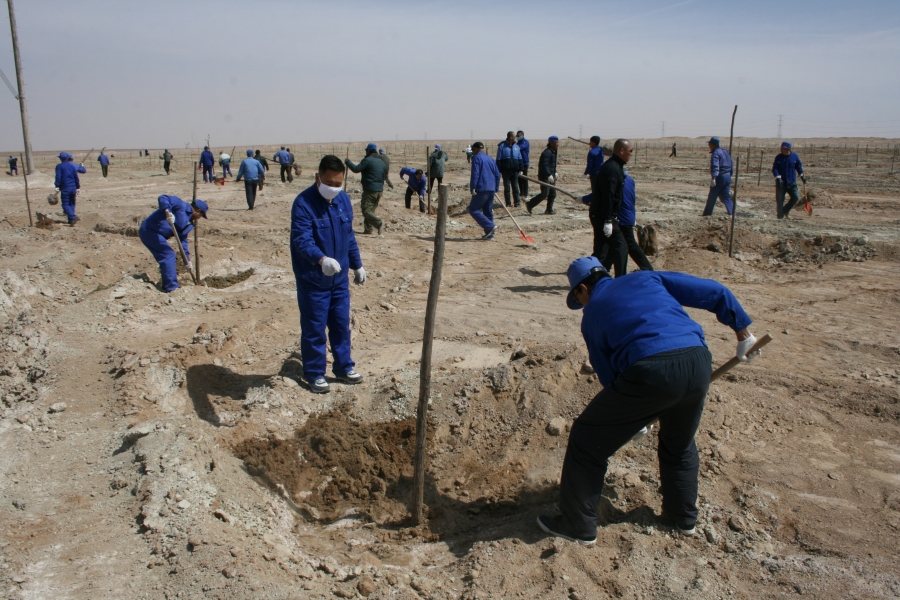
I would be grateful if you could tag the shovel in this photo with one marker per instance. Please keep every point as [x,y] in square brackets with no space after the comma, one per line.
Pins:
[522,233]
[806,205]
[187,263]
[735,361]
[550,185]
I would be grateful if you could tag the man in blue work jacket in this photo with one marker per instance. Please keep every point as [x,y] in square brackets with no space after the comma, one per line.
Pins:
[652,360]
[251,171]
[283,158]
[594,161]
[13,165]
[484,183]
[173,213]
[525,151]
[103,159]
[786,167]
[208,162]
[627,221]
[323,251]
[415,182]
[68,185]
[720,169]
[509,161]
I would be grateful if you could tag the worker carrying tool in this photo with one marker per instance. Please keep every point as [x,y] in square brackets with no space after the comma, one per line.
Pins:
[283,158]
[786,167]
[484,182]
[546,172]
[720,170]
[157,229]
[415,182]
[251,171]
[103,159]
[652,360]
[68,185]
[373,170]
[323,251]
[208,162]
[225,163]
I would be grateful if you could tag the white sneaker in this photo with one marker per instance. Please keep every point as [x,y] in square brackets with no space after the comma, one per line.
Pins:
[642,433]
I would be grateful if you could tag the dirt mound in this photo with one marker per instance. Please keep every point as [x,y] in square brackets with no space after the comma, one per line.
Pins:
[821,198]
[126,230]
[225,281]
[333,465]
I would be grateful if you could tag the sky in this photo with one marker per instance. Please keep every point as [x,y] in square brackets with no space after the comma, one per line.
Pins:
[154,74]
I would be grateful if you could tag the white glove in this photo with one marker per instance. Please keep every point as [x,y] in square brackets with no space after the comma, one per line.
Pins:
[57,190]
[585,176]
[77,192]
[556,177]
[170,218]
[360,276]
[778,180]
[607,229]
[744,346]
[330,266]
[551,179]
[712,182]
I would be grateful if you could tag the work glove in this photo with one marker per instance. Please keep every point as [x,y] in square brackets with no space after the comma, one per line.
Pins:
[744,346]
[585,176]
[778,181]
[56,190]
[607,229]
[551,180]
[359,276]
[170,218]
[330,266]
[556,177]
[712,182]
[77,192]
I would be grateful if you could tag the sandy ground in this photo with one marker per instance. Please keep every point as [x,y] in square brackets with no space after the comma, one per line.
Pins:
[160,446]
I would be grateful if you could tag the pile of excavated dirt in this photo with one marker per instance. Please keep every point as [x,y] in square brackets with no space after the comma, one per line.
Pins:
[223,281]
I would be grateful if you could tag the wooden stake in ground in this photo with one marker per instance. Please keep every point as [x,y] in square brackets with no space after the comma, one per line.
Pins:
[346,169]
[28,202]
[737,174]
[434,289]
[196,227]
[758,177]
[731,135]
[428,180]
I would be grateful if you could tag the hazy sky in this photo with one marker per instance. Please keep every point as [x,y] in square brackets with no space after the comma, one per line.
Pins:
[132,73]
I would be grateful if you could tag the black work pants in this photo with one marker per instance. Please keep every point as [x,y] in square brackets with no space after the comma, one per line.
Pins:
[547,193]
[511,179]
[440,181]
[105,169]
[634,249]
[523,183]
[166,166]
[286,174]
[250,190]
[409,195]
[611,251]
[670,386]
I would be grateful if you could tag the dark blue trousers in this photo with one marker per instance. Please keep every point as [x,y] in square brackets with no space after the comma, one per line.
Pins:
[481,207]
[320,309]
[67,199]
[670,386]
[722,192]
[168,262]
[208,175]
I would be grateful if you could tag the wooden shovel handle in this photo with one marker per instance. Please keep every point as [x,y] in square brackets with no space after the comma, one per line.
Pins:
[736,361]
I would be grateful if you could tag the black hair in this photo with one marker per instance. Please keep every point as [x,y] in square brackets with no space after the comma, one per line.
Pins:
[520,131]
[596,275]
[330,162]
[595,139]
[510,133]
[478,145]
[419,172]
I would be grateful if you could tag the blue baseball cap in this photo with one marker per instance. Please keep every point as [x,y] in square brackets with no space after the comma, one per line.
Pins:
[552,138]
[203,206]
[787,144]
[578,271]
[437,146]
[249,152]
[713,140]
[371,147]
[64,155]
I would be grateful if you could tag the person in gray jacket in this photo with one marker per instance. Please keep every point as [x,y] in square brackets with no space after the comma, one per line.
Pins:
[436,166]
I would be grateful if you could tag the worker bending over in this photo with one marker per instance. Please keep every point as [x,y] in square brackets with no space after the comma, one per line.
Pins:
[415,182]
[173,213]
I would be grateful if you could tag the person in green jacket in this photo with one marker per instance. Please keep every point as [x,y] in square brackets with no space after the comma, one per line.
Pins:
[373,171]
[387,164]
[436,166]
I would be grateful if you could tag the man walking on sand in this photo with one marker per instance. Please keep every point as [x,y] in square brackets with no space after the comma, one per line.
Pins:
[207,163]
[13,165]
[323,252]
[653,363]
[103,159]
[225,163]
[167,160]
[509,161]
[546,173]
[265,165]
[251,171]
[372,169]
[786,167]
[525,151]
[436,166]
[387,167]
[594,161]
[484,183]
[610,247]
[68,185]
[720,169]
[283,158]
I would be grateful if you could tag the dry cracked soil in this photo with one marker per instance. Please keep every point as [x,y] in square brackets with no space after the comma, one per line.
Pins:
[162,446]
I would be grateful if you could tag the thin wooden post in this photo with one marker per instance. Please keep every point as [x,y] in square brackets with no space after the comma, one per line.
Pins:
[892,165]
[857,155]
[731,136]
[28,202]
[428,179]
[346,168]
[196,227]
[737,174]
[758,177]
[434,288]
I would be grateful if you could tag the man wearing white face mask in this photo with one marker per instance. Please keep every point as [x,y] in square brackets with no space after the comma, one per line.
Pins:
[323,251]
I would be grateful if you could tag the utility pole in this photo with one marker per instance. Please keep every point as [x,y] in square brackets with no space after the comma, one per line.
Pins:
[780,117]
[663,130]
[23,108]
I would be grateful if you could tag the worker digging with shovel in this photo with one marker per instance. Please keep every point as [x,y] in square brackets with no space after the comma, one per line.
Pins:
[652,360]
[174,217]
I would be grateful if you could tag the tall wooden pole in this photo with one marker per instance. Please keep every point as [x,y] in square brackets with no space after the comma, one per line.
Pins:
[731,136]
[759,177]
[20,82]
[428,178]
[28,202]
[737,174]
[196,227]
[434,288]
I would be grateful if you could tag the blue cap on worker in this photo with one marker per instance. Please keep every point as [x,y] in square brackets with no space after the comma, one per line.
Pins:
[713,140]
[552,138]
[787,144]
[202,206]
[249,152]
[381,151]
[579,270]
[437,146]
[371,147]
[64,155]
